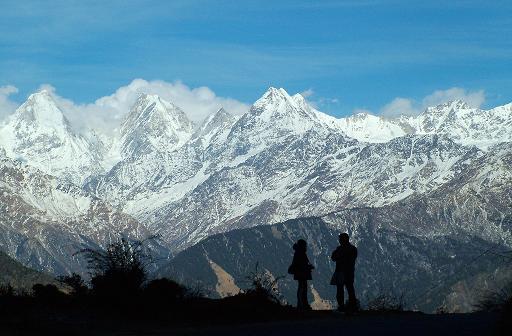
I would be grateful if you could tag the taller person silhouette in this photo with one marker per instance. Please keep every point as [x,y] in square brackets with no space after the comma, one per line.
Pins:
[345,257]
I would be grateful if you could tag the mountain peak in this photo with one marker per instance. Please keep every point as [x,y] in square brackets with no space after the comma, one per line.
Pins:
[220,113]
[150,97]
[150,105]
[42,110]
[451,105]
[274,96]
[154,124]
[457,104]
[214,123]
[300,101]
[276,91]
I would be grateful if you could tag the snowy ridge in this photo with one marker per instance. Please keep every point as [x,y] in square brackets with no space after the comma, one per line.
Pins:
[455,119]
[44,221]
[282,159]
[369,128]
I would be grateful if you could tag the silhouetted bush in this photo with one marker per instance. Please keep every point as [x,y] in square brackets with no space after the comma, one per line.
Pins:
[198,290]
[386,301]
[120,270]
[164,291]
[7,290]
[75,282]
[46,292]
[262,285]
[442,310]
[499,302]
[496,301]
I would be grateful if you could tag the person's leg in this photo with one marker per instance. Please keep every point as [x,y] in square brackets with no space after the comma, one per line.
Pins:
[299,294]
[352,301]
[305,294]
[340,296]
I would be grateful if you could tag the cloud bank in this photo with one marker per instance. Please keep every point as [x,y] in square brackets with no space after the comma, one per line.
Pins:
[409,107]
[7,106]
[106,113]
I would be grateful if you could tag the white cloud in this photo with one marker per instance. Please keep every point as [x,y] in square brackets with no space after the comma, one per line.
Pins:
[405,106]
[474,99]
[107,112]
[307,93]
[7,106]
[318,102]
[399,106]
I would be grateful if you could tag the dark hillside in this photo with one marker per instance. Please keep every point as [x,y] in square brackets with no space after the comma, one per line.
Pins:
[18,276]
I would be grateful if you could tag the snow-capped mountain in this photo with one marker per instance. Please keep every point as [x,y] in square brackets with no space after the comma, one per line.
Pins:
[45,221]
[153,125]
[282,159]
[369,128]
[39,134]
[454,119]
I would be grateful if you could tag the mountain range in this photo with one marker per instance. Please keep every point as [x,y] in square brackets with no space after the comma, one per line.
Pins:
[444,174]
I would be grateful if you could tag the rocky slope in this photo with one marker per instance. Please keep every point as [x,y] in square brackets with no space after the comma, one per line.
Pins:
[437,249]
[284,159]
[45,221]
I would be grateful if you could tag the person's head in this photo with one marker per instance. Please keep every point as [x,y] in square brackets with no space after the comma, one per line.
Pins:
[343,238]
[300,245]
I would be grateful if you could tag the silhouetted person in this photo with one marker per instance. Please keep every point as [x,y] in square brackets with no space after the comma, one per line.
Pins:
[301,270]
[345,257]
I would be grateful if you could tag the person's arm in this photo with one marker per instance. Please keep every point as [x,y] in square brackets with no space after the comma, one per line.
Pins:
[334,255]
[309,264]
[295,260]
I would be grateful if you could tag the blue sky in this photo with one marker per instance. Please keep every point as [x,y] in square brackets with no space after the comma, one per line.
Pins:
[350,54]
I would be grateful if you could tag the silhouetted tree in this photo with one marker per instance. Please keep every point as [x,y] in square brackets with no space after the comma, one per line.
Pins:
[120,269]
[75,282]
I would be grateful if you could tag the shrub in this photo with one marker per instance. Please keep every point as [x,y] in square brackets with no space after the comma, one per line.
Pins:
[75,282]
[118,271]
[263,286]
[7,290]
[386,301]
[165,291]
[46,292]
[497,301]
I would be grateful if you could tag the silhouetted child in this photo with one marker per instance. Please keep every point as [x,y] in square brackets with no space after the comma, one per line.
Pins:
[301,270]
[345,257]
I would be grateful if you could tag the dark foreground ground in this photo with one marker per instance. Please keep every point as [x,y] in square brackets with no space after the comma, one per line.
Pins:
[327,323]
[314,323]
[238,315]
